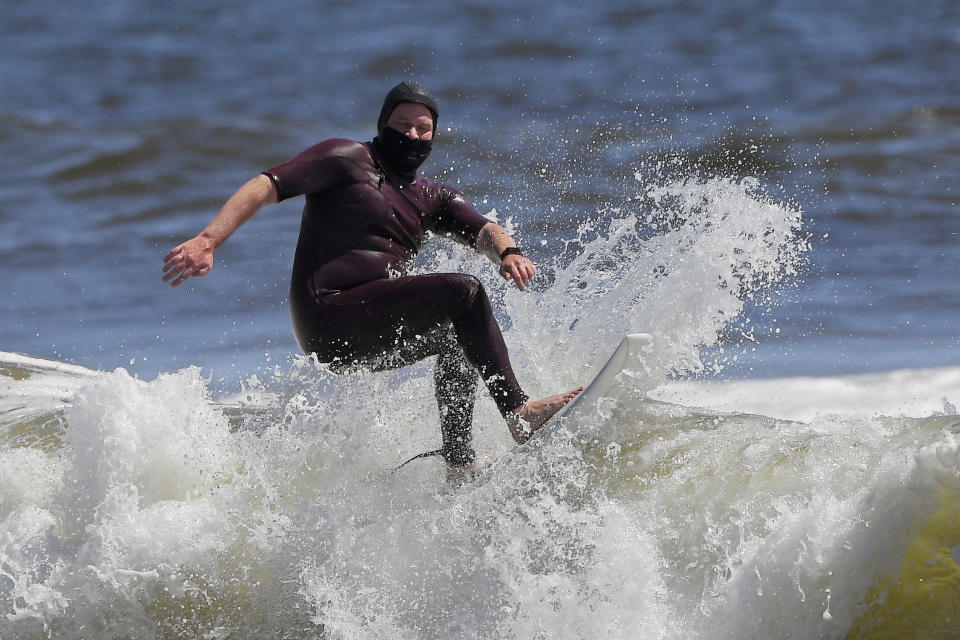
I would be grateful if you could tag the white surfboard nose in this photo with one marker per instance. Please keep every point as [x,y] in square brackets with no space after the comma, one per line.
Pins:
[629,349]
[639,339]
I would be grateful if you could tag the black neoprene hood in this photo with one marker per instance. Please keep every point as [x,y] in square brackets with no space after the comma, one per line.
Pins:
[407,92]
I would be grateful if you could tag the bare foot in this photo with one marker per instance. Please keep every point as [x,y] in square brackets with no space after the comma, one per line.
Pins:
[533,414]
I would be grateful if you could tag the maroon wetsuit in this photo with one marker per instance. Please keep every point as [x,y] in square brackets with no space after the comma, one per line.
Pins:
[351,303]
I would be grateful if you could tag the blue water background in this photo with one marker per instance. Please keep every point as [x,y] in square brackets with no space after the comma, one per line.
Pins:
[125,125]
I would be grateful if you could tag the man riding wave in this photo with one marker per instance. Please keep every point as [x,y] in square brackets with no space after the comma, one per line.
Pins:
[367,213]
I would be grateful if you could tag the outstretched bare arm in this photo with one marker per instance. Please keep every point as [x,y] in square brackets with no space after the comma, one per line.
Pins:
[194,258]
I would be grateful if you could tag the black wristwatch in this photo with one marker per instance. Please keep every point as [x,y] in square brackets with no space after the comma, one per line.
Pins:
[510,251]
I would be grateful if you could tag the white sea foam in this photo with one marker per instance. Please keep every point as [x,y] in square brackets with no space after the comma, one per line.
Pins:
[652,519]
[151,510]
[911,393]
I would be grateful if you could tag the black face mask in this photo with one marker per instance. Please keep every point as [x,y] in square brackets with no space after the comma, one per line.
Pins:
[402,153]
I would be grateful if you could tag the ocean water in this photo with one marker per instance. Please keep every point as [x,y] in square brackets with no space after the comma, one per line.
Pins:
[766,188]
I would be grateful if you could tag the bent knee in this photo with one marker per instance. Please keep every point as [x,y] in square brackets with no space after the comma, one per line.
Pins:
[466,287]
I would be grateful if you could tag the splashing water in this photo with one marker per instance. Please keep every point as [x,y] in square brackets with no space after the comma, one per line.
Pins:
[682,265]
[149,510]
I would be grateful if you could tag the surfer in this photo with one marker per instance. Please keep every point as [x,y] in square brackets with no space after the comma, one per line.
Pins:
[367,213]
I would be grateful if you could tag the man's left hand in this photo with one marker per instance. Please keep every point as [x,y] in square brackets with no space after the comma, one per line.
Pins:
[519,269]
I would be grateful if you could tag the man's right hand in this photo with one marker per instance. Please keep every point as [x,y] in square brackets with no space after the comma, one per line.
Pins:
[193,258]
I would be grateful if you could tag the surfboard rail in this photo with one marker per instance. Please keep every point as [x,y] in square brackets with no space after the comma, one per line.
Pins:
[630,348]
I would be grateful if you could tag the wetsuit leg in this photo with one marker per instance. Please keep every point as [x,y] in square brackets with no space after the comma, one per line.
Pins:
[455,380]
[375,320]
[455,386]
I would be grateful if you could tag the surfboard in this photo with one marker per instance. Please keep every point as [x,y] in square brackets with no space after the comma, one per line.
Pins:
[627,355]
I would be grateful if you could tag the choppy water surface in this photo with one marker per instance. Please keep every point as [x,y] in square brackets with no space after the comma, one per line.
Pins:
[126,127]
[768,189]
[146,510]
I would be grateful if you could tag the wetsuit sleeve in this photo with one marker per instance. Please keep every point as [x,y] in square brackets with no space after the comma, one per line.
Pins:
[316,169]
[455,215]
